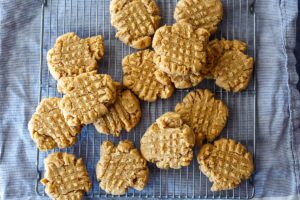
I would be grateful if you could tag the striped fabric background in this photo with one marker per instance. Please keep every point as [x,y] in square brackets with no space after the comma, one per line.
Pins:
[278,110]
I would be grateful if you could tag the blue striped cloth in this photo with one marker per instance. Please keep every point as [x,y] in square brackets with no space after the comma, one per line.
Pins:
[278,101]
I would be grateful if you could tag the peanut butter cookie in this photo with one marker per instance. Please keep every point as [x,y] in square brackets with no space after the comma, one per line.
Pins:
[233,71]
[168,142]
[135,21]
[206,115]
[200,13]
[181,49]
[121,167]
[72,56]
[140,74]
[65,177]
[87,97]
[125,113]
[217,48]
[226,163]
[48,127]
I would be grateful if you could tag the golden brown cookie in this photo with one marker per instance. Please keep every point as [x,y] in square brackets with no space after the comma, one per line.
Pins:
[121,167]
[233,71]
[226,163]
[168,142]
[216,49]
[135,21]
[180,49]
[87,97]
[141,75]
[124,114]
[200,13]
[206,115]
[72,56]
[65,177]
[48,127]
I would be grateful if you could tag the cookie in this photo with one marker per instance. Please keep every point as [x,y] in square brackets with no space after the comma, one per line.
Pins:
[168,142]
[180,49]
[48,127]
[72,56]
[141,75]
[87,97]
[216,49]
[200,13]
[226,163]
[135,21]
[233,71]
[206,115]
[124,114]
[65,177]
[121,167]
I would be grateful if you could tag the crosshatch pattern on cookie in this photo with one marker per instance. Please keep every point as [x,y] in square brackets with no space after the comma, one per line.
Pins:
[65,177]
[72,56]
[217,48]
[135,20]
[206,115]
[233,71]
[48,127]
[121,167]
[181,49]
[141,75]
[124,114]
[200,13]
[226,163]
[168,142]
[87,98]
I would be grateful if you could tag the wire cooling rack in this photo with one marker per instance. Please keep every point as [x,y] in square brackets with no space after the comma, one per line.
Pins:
[91,17]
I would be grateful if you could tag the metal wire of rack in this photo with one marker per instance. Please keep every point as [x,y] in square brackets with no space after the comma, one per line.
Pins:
[91,17]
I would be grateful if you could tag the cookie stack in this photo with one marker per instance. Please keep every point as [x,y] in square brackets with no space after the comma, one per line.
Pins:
[169,142]
[183,55]
[181,58]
